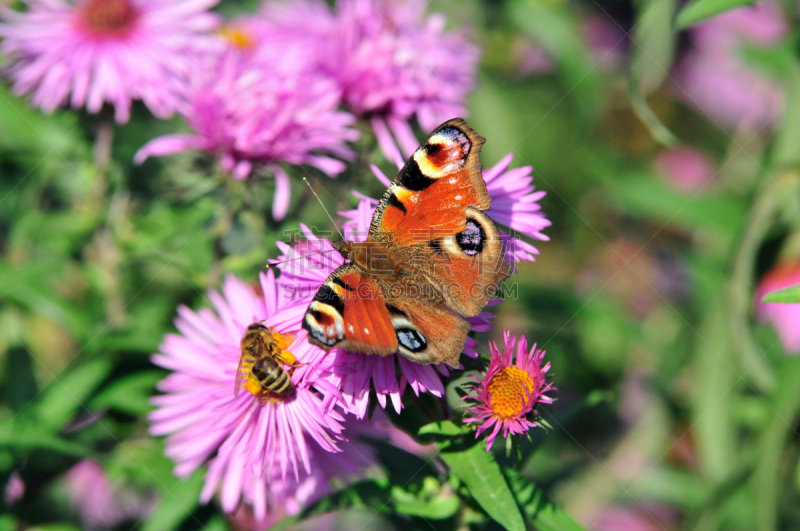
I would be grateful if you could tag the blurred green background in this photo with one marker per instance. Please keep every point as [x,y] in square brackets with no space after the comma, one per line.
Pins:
[675,410]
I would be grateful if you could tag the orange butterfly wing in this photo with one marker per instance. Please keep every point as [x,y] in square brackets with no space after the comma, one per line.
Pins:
[429,196]
[467,268]
[354,311]
[349,312]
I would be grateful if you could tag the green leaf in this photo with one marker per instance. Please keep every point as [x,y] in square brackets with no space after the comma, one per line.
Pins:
[788,138]
[538,509]
[27,437]
[654,44]
[643,195]
[446,428]
[786,295]
[177,504]
[430,502]
[129,394]
[66,395]
[479,471]
[703,9]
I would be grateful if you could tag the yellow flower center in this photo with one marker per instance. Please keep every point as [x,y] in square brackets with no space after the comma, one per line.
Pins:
[109,17]
[238,37]
[509,391]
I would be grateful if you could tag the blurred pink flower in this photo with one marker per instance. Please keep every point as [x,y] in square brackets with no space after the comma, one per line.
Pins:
[392,64]
[111,51]
[515,204]
[621,519]
[248,434]
[714,77]
[685,168]
[606,39]
[509,390]
[100,503]
[263,104]
[784,317]
[15,489]
[304,268]
[530,59]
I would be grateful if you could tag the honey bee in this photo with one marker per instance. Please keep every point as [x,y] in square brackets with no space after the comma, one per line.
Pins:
[263,350]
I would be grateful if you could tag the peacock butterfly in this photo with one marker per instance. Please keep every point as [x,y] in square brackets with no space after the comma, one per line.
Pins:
[431,259]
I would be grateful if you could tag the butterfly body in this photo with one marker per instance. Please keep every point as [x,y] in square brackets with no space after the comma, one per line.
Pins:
[432,258]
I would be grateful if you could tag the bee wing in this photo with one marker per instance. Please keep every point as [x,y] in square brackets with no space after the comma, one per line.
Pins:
[237,385]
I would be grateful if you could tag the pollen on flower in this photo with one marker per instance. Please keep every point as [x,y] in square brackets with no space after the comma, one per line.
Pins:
[238,37]
[109,17]
[510,390]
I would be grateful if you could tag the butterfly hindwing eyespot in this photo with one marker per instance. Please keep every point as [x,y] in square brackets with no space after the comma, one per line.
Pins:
[411,340]
[472,239]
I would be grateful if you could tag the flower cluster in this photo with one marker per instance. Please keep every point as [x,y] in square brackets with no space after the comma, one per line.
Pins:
[106,51]
[279,450]
[277,90]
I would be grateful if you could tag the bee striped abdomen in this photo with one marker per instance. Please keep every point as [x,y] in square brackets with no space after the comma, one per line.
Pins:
[271,375]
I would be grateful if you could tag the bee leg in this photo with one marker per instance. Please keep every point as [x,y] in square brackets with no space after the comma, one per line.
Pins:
[287,357]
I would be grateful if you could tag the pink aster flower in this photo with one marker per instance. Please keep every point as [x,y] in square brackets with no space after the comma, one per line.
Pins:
[515,204]
[685,168]
[253,433]
[101,503]
[264,106]
[714,76]
[510,390]
[92,52]
[392,64]
[785,318]
[304,267]
[274,496]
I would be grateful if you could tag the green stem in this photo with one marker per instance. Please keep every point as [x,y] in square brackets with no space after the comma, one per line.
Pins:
[740,289]
[785,407]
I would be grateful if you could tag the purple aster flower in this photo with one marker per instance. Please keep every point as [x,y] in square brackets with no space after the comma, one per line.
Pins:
[515,204]
[714,77]
[392,64]
[509,390]
[261,434]
[100,503]
[273,496]
[263,105]
[105,51]
[783,316]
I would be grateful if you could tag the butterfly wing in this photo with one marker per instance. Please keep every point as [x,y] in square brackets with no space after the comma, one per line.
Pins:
[430,195]
[467,268]
[349,311]
[428,332]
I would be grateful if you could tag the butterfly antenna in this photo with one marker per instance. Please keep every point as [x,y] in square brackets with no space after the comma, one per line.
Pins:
[300,258]
[323,207]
